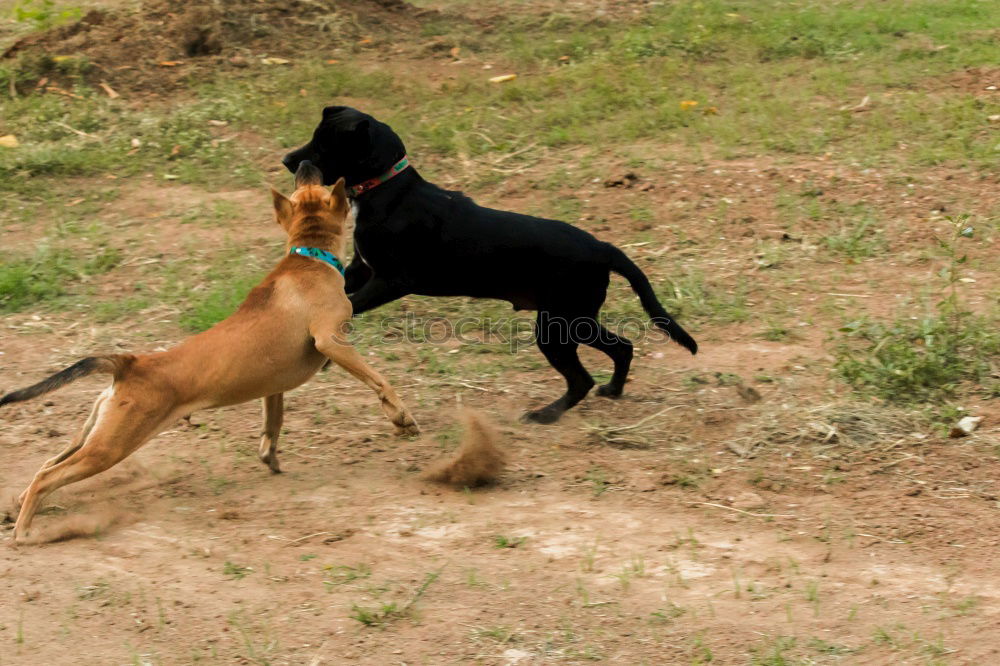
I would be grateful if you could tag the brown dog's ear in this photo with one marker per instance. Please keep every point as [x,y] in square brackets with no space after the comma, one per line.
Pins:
[339,188]
[339,194]
[283,208]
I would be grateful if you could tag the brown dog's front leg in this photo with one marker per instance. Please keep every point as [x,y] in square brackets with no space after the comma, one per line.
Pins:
[273,407]
[344,355]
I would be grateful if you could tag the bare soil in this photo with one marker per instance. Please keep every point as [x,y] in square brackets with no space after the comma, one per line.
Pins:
[177,41]
[683,523]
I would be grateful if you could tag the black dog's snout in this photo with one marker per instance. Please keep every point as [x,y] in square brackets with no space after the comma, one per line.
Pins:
[295,157]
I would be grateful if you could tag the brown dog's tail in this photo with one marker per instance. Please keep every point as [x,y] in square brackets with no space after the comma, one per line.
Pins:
[112,365]
[621,264]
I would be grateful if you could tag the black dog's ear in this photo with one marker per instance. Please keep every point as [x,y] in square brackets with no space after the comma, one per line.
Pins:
[332,111]
[347,119]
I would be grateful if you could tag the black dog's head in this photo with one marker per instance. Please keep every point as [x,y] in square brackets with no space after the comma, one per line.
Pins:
[349,144]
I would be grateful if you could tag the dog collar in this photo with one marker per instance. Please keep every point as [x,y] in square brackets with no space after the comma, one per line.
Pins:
[316,253]
[371,184]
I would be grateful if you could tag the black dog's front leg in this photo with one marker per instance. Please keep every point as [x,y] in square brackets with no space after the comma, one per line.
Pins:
[377,291]
[356,274]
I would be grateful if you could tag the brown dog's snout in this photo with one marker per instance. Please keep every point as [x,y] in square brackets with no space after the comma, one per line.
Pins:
[307,174]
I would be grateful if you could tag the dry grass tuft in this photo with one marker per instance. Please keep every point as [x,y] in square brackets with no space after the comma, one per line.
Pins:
[830,429]
[477,462]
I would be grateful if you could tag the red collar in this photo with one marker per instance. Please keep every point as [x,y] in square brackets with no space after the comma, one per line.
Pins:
[371,184]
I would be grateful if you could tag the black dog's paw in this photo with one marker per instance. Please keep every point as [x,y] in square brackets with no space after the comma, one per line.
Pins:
[545,416]
[609,391]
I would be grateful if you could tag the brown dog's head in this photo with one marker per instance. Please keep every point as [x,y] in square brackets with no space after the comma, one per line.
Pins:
[313,216]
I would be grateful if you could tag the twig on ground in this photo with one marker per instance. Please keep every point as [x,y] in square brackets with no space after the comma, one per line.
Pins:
[747,513]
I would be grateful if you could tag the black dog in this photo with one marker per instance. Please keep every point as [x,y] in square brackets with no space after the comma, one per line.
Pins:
[413,237]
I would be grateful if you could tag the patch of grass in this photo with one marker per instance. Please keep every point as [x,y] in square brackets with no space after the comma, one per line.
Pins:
[774,654]
[236,571]
[501,541]
[667,614]
[342,574]
[924,358]
[825,647]
[861,240]
[501,634]
[812,596]
[634,569]
[387,612]
[48,274]
[689,297]
[258,643]
[43,14]
[776,332]
[598,480]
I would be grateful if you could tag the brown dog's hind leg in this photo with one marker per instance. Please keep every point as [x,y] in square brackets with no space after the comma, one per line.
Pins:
[273,407]
[77,441]
[84,433]
[120,429]
[349,359]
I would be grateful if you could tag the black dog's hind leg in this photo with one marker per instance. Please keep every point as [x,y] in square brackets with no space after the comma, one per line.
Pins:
[556,343]
[374,293]
[620,351]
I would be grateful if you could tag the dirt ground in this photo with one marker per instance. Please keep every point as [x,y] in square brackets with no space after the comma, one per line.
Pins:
[685,523]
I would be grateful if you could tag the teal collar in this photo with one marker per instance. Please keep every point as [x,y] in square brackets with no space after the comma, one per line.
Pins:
[316,253]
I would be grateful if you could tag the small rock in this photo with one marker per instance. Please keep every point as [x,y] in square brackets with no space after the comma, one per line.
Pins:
[644,484]
[748,500]
[515,656]
[965,426]
[748,393]
[626,180]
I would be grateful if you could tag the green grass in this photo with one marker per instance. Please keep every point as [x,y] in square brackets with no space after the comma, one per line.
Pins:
[625,81]
[926,357]
[48,275]
[343,574]
[387,612]
[502,541]
[236,571]
[860,240]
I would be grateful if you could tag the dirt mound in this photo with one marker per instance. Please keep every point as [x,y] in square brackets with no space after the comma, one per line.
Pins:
[165,42]
[478,460]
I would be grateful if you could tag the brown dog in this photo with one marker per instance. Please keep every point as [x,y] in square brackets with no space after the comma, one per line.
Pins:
[285,330]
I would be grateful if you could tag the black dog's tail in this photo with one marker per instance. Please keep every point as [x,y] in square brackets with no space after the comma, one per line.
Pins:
[112,365]
[621,264]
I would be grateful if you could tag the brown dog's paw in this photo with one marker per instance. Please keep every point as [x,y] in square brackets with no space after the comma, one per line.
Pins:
[407,427]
